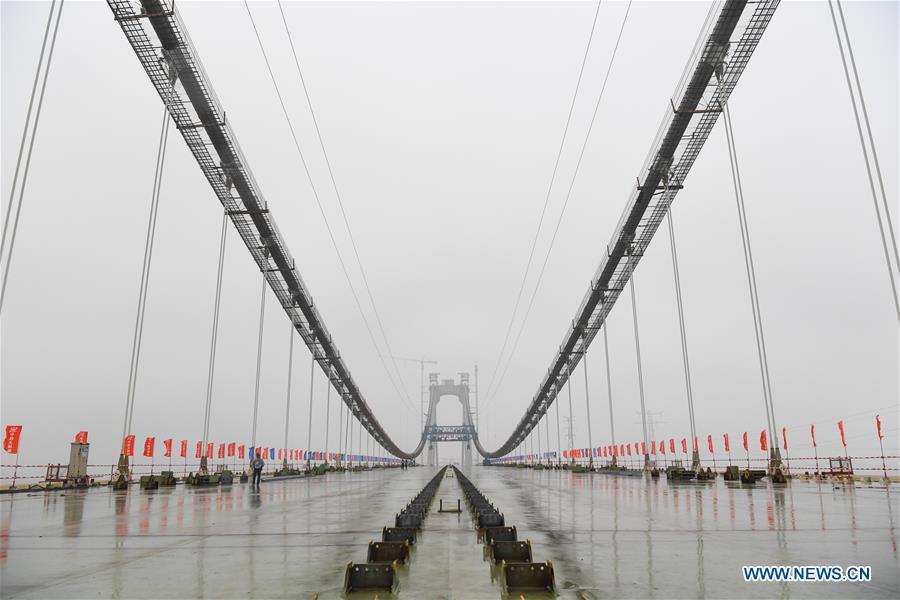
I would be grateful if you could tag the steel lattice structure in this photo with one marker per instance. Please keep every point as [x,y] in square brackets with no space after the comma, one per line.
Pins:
[715,68]
[167,55]
[173,65]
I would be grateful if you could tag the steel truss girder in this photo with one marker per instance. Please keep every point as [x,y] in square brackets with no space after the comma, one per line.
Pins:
[173,66]
[717,66]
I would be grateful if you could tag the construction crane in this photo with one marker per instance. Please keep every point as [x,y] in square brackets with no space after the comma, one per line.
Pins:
[422,362]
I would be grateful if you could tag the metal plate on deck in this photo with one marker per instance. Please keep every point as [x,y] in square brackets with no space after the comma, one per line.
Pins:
[387,552]
[504,534]
[524,577]
[511,551]
[490,519]
[399,534]
[370,577]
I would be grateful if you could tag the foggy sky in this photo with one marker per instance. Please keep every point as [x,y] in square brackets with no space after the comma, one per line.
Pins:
[442,123]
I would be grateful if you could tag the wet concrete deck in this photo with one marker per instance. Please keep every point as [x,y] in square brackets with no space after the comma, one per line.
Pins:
[608,537]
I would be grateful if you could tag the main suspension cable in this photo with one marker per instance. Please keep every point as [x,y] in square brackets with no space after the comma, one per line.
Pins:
[340,201]
[319,204]
[543,209]
[565,202]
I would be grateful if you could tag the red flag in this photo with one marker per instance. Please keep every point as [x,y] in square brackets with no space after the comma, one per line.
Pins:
[709,443]
[11,441]
[696,445]
[672,445]
[841,427]
[128,450]
[565,454]
[81,437]
[241,451]
[167,444]
[148,446]
[727,445]
[745,442]
[653,447]
[762,441]
[878,425]
[183,448]
[784,436]
[644,448]
[662,447]
[231,446]
[628,449]
[222,450]
[812,432]
[209,450]
[279,454]
[684,445]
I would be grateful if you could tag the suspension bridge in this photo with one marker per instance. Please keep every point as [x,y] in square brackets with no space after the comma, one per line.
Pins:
[546,496]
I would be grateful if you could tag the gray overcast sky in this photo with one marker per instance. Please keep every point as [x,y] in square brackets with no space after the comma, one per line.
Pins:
[442,122]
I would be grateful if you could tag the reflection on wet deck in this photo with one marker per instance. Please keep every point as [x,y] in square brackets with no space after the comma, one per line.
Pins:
[608,536]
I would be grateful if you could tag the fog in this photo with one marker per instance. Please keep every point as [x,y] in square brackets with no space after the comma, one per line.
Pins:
[442,123]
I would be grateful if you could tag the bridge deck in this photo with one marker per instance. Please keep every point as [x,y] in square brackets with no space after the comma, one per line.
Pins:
[607,536]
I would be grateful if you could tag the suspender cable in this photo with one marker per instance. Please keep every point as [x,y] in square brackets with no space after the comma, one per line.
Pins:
[259,347]
[569,389]
[214,336]
[540,450]
[34,126]
[327,416]
[287,403]
[751,284]
[137,338]
[348,435]
[865,113]
[640,370]
[547,433]
[37,77]
[865,151]
[312,379]
[340,432]
[587,403]
[558,438]
[695,457]
[612,426]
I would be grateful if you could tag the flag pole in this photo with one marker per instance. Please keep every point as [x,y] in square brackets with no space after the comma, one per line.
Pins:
[15,471]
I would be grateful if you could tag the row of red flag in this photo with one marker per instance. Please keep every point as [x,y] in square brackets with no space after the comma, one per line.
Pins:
[224,450]
[640,448]
[13,433]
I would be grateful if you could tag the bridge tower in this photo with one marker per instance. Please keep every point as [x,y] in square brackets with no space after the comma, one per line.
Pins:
[435,433]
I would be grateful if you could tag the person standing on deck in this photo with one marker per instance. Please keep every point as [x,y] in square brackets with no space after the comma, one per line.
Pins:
[257,465]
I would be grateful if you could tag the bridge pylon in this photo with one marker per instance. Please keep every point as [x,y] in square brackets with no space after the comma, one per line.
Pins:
[434,433]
